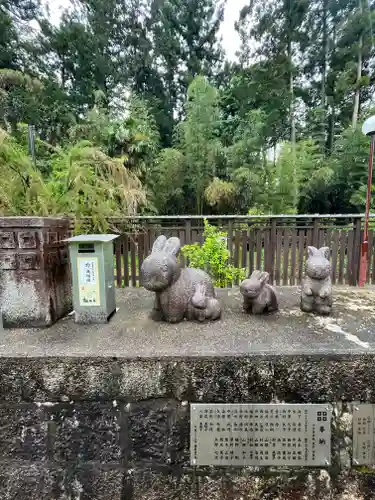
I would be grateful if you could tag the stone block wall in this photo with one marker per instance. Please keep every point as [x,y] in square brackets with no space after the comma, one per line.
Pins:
[118,429]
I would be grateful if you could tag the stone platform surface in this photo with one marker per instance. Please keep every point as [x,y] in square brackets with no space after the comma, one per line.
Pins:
[132,334]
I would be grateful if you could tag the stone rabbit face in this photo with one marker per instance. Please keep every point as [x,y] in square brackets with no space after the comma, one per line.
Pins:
[160,269]
[253,285]
[317,264]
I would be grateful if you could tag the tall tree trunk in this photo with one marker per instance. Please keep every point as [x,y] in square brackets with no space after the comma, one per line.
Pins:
[291,97]
[332,116]
[331,130]
[359,76]
[323,91]
[292,120]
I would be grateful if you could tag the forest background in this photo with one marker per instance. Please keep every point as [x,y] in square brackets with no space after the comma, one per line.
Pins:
[135,109]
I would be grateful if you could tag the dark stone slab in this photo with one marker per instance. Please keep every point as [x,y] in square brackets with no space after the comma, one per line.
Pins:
[132,334]
[149,426]
[95,482]
[255,378]
[323,379]
[43,482]
[30,482]
[253,484]
[159,433]
[86,432]
[23,432]
[149,485]
[64,378]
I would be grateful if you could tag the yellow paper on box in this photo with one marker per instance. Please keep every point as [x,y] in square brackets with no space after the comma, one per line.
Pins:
[88,281]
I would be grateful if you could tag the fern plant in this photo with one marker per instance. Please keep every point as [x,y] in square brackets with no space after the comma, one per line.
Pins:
[85,184]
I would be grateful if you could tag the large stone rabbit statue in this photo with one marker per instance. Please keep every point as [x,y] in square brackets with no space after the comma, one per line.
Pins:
[179,293]
[316,294]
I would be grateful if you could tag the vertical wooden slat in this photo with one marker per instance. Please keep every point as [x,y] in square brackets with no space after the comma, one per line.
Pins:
[133,260]
[327,238]
[357,250]
[152,237]
[118,242]
[301,253]
[251,250]
[181,235]
[237,246]
[267,249]
[126,259]
[335,248]
[146,240]
[230,238]
[244,245]
[342,256]
[279,240]
[315,235]
[200,232]
[141,253]
[272,251]
[286,257]
[349,277]
[321,238]
[188,231]
[195,237]
[259,249]
[309,239]
[293,257]
[370,241]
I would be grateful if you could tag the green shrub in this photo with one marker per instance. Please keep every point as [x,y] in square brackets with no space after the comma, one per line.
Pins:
[213,257]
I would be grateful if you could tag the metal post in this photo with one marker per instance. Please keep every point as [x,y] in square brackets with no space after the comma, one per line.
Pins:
[364,246]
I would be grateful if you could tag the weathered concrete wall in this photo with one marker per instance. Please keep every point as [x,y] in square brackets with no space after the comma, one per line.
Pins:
[35,281]
[118,429]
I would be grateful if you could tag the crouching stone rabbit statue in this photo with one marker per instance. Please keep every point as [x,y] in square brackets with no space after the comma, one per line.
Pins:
[179,293]
[316,294]
[258,296]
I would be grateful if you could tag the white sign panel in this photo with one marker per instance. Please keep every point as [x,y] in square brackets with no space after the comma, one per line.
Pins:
[89,291]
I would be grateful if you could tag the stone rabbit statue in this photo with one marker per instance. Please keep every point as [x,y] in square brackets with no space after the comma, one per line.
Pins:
[316,294]
[203,306]
[258,296]
[179,293]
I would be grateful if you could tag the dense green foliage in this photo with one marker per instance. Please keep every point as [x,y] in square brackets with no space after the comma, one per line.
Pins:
[136,110]
[213,257]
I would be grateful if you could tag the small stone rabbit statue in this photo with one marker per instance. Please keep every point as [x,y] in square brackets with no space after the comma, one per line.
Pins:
[179,293]
[258,296]
[316,294]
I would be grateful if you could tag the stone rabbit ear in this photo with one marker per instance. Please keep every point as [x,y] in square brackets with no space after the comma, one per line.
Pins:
[264,277]
[326,252]
[159,244]
[312,251]
[172,247]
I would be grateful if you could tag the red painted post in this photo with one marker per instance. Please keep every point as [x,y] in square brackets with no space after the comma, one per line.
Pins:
[364,246]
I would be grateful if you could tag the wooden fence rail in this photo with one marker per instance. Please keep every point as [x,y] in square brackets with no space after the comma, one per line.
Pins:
[277,244]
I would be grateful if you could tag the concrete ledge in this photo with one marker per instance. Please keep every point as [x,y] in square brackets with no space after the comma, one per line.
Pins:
[132,334]
[102,412]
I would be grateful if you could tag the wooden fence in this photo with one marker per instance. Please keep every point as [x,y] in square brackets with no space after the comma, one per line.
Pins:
[277,244]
